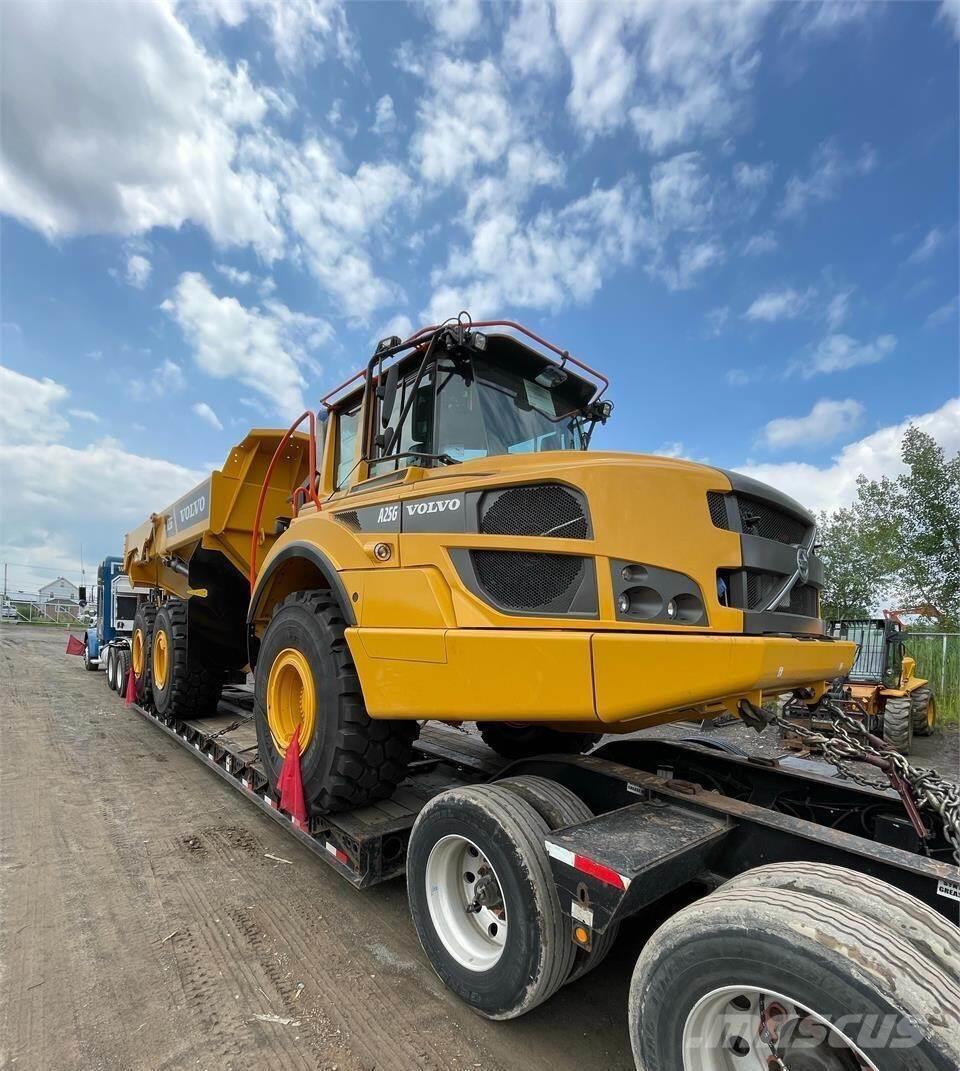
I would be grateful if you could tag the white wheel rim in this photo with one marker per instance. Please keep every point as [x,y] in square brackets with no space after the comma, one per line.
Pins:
[466,905]
[725,1032]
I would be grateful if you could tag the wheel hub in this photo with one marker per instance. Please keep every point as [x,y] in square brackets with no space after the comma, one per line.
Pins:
[137,652]
[291,700]
[161,658]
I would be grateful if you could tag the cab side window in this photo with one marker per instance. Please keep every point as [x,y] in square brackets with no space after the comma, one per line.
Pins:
[348,425]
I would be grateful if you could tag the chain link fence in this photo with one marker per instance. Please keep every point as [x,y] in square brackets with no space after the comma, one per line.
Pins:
[32,609]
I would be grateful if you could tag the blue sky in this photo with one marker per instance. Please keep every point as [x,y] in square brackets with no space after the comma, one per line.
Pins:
[746,214]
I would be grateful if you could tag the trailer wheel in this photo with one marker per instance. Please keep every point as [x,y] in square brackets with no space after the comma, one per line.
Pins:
[483,900]
[933,935]
[754,977]
[898,723]
[524,741]
[923,712]
[181,684]
[141,645]
[306,677]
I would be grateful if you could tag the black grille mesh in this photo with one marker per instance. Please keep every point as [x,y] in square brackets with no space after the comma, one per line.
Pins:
[525,581]
[759,519]
[803,600]
[542,510]
[349,518]
[717,504]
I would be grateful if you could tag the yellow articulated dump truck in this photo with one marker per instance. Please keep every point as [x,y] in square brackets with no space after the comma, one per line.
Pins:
[451,550]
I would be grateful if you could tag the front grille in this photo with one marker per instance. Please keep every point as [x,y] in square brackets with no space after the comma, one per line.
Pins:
[761,588]
[540,510]
[717,504]
[804,601]
[761,519]
[524,581]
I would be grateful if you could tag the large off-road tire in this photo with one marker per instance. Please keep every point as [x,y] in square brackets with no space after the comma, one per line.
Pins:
[181,684]
[347,759]
[141,646]
[524,741]
[484,845]
[717,972]
[898,723]
[923,711]
[559,807]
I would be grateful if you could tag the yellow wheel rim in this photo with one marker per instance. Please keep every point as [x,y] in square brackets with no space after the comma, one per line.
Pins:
[137,653]
[931,713]
[161,658]
[291,700]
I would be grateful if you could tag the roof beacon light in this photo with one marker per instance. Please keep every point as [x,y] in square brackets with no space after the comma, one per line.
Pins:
[388,343]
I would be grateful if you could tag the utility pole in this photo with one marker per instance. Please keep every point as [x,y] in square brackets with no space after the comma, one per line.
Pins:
[4,583]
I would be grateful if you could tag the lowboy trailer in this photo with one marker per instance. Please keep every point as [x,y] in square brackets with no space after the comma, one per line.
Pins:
[812,886]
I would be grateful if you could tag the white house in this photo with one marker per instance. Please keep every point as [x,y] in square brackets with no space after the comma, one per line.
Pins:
[59,594]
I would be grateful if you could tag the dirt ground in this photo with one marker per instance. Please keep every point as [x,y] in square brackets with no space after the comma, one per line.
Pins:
[145,923]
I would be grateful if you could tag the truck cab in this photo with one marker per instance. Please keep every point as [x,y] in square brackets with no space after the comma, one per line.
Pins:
[116,607]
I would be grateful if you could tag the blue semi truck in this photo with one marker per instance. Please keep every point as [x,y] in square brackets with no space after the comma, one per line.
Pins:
[107,642]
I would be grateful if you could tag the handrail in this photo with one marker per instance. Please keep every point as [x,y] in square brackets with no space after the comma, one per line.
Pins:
[602,381]
[309,416]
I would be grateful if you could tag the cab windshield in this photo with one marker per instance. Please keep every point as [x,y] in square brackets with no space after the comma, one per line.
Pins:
[484,410]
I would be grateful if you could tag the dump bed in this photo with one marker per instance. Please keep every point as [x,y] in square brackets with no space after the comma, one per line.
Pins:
[172,549]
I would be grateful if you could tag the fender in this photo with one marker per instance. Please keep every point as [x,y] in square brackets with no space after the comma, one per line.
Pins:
[316,557]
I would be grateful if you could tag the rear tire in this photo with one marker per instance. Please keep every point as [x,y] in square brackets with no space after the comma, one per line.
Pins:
[923,712]
[182,686]
[111,667]
[141,643]
[898,723]
[524,741]
[506,837]
[122,671]
[350,760]
[697,986]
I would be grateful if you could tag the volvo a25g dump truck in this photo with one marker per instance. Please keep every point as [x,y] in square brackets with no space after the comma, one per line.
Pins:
[448,548]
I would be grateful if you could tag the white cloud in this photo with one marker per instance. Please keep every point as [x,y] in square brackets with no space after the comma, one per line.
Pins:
[546,262]
[454,20]
[837,308]
[829,170]
[166,378]
[717,319]
[829,15]
[29,410]
[753,178]
[234,275]
[932,241]
[950,13]
[529,43]
[398,325]
[759,244]
[681,192]
[262,348]
[773,305]
[84,414]
[878,454]
[942,315]
[839,352]
[138,270]
[151,139]
[526,166]
[207,415]
[301,29]
[385,116]
[827,420]
[681,272]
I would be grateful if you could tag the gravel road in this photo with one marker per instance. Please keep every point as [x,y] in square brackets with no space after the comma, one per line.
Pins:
[151,918]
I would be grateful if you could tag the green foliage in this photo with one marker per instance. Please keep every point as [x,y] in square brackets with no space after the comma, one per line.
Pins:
[900,539]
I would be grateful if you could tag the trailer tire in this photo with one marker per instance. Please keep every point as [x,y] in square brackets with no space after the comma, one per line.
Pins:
[182,686]
[898,723]
[507,835]
[935,936]
[706,969]
[109,669]
[351,759]
[923,712]
[122,671]
[524,741]
[141,647]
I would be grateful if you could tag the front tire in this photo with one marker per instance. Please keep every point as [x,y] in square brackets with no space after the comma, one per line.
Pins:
[141,645]
[715,978]
[898,723]
[306,677]
[483,900]
[525,741]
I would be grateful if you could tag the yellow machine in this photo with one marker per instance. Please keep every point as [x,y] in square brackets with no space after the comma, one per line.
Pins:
[453,551]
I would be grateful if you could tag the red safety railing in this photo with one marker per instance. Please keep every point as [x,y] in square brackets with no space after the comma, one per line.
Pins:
[310,491]
[565,358]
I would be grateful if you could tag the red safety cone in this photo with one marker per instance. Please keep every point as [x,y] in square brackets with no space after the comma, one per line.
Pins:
[131,693]
[290,782]
[75,646]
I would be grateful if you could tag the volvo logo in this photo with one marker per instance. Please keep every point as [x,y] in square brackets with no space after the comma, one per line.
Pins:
[803,563]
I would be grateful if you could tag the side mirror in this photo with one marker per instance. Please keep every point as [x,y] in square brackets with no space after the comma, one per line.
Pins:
[82,597]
